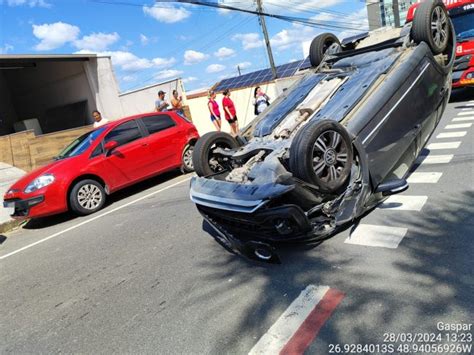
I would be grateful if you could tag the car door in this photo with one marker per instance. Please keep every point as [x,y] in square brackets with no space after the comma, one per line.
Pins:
[132,157]
[165,140]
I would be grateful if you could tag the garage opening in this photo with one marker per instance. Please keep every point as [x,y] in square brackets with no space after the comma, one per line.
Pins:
[46,94]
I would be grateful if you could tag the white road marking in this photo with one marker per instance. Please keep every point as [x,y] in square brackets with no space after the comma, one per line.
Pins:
[448,145]
[464,113]
[92,219]
[457,126]
[451,134]
[404,203]
[467,118]
[377,236]
[435,159]
[424,178]
[273,341]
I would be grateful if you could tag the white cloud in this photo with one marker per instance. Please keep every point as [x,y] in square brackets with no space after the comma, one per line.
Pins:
[97,41]
[248,40]
[189,79]
[169,73]
[128,61]
[30,3]
[129,78]
[215,68]
[6,48]
[194,57]
[244,65]
[166,13]
[163,62]
[54,35]
[293,37]
[358,20]
[144,39]
[224,52]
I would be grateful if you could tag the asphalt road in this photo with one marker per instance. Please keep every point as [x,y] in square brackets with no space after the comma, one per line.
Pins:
[142,276]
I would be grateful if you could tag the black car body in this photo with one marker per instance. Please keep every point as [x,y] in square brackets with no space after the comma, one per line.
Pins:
[387,98]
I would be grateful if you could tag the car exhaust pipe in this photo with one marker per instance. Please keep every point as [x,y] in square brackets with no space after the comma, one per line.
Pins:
[263,254]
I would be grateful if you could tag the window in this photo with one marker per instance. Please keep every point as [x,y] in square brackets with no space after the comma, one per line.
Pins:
[125,133]
[80,145]
[158,123]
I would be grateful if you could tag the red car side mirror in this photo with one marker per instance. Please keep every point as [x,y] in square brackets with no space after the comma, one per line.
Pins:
[109,146]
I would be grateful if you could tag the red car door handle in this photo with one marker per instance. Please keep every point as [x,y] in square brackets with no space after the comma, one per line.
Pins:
[145,145]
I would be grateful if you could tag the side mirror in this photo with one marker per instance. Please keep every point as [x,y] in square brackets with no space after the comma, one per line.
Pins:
[109,146]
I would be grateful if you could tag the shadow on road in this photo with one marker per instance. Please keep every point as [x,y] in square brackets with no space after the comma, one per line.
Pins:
[458,95]
[430,278]
[39,223]
[2,239]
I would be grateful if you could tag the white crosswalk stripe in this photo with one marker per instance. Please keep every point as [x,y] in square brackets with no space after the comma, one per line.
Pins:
[404,203]
[434,159]
[447,145]
[459,125]
[464,113]
[424,178]
[466,118]
[451,134]
[377,236]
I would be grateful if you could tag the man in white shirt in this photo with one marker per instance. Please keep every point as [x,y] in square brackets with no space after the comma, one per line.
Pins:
[99,120]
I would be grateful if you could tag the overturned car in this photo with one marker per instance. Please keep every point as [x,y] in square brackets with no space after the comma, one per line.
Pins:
[334,145]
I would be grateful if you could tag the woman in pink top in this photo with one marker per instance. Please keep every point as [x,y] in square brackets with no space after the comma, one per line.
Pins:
[230,113]
[213,107]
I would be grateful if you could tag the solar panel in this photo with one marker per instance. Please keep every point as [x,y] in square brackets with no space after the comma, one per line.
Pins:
[261,76]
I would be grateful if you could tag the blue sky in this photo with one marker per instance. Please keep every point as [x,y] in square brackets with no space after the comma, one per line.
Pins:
[152,42]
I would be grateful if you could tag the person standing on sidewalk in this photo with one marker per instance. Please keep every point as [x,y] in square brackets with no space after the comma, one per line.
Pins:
[98,119]
[160,104]
[261,102]
[213,107]
[230,113]
[177,103]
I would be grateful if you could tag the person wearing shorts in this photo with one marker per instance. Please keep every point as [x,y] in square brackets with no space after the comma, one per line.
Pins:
[213,107]
[230,113]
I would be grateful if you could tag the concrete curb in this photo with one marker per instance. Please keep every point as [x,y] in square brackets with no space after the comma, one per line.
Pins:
[10,225]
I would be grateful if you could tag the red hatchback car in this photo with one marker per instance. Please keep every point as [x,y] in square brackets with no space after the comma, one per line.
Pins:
[102,161]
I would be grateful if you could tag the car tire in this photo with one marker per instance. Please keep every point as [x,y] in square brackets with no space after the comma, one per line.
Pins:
[187,165]
[321,154]
[202,155]
[427,14]
[86,197]
[319,46]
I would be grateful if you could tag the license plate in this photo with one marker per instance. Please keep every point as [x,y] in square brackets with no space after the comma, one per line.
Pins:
[9,204]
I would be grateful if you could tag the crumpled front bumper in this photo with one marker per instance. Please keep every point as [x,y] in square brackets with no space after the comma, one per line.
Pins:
[247,220]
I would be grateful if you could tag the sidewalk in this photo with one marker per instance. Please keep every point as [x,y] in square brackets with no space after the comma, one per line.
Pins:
[8,175]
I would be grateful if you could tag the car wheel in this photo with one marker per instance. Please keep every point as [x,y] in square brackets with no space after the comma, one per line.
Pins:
[187,160]
[321,154]
[86,197]
[205,163]
[431,25]
[322,44]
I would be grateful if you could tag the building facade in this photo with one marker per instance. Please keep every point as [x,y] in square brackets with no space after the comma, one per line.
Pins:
[383,13]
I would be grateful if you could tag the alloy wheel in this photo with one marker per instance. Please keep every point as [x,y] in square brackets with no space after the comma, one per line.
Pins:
[188,158]
[439,27]
[329,156]
[89,196]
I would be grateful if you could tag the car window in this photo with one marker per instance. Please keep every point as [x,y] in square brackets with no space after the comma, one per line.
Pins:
[97,151]
[158,123]
[125,133]
[81,144]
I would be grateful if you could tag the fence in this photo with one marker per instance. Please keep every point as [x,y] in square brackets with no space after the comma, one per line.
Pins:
[26,151]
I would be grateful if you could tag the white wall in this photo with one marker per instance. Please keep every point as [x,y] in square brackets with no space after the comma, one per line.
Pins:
[103,84]
[243,100]
[143,100]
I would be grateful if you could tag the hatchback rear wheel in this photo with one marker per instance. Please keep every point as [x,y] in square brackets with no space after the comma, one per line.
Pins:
[87,196]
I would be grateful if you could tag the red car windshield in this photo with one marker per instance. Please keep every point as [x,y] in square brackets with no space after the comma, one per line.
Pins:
[464,25]
[80,145]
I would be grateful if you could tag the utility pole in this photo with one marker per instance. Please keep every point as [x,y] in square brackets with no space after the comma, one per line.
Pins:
[261,19]
[396,13]
[238,69]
